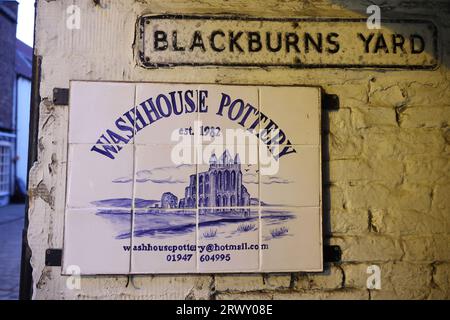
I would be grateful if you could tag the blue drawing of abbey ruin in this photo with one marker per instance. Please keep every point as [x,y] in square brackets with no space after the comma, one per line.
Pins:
[221,186]
[222,199]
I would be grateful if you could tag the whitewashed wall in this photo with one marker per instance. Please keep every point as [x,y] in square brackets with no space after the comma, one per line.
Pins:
[387,150]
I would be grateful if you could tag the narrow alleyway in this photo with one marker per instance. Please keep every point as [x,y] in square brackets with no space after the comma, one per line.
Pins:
[11,224]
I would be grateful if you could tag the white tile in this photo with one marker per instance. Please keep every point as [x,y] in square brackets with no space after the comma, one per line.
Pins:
[291,239]
[164,241]
[165,176]
[165,113]
[291,180]
[96,241]
[232,115]
[101,111]
[295,111]
[99,176]
[228,240]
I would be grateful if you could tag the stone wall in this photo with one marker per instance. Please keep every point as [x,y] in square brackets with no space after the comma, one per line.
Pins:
[385,154]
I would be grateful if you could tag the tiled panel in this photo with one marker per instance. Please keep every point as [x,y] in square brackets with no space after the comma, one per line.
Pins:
[101,112]
[228,240]
[166,113]
[164,241]
[291,180]
[100,176]
[291,239]
[165,176]
[231,112]
[295,112]
[156,205]
[230,178]
[96,241]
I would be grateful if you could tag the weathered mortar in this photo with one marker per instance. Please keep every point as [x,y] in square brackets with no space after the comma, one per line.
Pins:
[386,155]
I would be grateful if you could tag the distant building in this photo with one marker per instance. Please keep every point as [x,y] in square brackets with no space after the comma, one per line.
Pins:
[15,92]
[190,193]
[24,62]
[169,201]
[220,186]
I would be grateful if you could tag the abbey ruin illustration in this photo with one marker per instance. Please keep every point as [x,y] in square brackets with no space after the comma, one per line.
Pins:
[221,186]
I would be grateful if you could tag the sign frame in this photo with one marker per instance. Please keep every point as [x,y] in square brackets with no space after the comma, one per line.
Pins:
[145,61]
[64,270]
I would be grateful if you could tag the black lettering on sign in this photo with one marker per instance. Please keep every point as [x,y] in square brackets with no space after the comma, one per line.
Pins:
[279,43]
[254,41]
[212,40]
[417,44]
[366,40]
[292,41]
[160,41]
[377,43]
[197,41]
[234,38]
[316,43]
[332,40]
[175,42]
[380,44]
[398,41]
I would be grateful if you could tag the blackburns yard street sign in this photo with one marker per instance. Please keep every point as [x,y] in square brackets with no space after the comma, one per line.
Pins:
[170,40]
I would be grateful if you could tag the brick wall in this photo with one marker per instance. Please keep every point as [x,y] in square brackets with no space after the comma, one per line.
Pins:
[8,16]
[386,156]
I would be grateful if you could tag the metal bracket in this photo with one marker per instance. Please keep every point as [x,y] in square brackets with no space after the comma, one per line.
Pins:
[61,96]
[53,257]
[332,254]
[330,101]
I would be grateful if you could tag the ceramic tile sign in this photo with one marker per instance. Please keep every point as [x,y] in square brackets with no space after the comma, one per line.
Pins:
[192,178]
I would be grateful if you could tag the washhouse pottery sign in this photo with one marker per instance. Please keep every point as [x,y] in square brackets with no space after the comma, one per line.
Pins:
[192,178]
